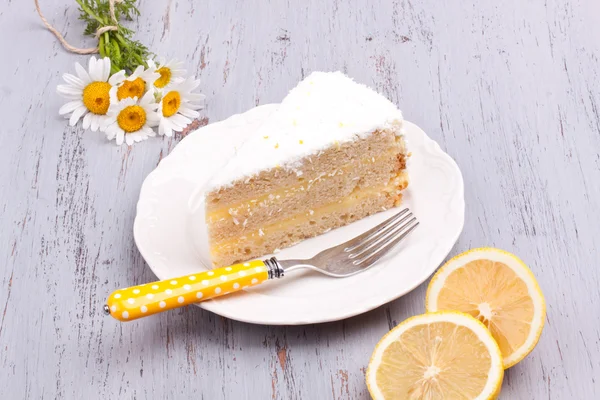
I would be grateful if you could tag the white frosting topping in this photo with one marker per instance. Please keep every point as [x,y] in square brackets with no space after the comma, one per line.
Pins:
[324,109]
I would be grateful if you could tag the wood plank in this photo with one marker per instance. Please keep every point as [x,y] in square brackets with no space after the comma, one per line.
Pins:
[510,90]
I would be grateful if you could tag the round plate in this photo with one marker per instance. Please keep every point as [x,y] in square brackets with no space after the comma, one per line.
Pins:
[162,225]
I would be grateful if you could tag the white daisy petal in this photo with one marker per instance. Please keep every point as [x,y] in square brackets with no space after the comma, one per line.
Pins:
[92,68]
[168,128]
[95,124]
[117,78]
[138,71]
[111,131]
[193,84]
[73,81]
[152,120]
[196,97]
[188,112]
[194,106]
[87,119]
[77,114]
[147,98]
[149,132]
[174,125]
[120,137]
[70,107]
[129,139]
[95,69]
[180,120]
[100,69]
[82,74]
[106,73]
[69,91]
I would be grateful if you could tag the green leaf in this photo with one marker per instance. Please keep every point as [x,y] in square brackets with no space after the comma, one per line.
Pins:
[124,52]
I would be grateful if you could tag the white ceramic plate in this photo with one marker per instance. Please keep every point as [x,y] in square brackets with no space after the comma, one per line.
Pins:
[162,231]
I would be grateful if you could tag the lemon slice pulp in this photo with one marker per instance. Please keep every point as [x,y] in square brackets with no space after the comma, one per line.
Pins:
[438,355]
[498,289]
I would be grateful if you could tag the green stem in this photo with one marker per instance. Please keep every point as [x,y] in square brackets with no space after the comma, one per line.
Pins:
[138,59]
[107,43]
[121,39]
[101,46]
[89,12]
[116,48]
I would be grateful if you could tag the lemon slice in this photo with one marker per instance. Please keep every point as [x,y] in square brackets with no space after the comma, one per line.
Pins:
[447,355]
[498,289]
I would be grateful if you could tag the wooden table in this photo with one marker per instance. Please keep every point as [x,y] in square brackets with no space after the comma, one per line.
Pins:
[511,90]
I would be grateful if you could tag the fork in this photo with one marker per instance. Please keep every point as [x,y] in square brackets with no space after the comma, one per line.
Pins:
[346,259]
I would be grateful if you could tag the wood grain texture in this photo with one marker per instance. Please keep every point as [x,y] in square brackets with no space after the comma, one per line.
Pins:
[510,89]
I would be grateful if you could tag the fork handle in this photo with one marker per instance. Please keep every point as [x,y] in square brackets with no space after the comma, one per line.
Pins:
[152,298]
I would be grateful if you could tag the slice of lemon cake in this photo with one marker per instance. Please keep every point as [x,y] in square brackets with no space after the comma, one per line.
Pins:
[331,154]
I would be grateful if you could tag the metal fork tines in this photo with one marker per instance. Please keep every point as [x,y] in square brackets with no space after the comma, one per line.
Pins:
[361,252]
[369,247]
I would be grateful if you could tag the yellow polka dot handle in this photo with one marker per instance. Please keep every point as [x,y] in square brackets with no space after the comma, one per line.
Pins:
[151,298]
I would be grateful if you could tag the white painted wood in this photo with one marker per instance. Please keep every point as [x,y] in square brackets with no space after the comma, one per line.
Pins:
[510,89]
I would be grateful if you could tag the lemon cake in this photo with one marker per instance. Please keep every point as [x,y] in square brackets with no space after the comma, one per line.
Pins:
[332,153]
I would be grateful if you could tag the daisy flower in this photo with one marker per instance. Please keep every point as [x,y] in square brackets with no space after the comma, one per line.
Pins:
[178,105]
[135,85]
[132,121]
[170,72]
[89,93]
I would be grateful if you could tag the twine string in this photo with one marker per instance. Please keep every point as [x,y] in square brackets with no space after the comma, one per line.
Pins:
[100,31]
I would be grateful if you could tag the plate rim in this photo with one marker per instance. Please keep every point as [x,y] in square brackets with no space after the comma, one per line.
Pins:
[213,306]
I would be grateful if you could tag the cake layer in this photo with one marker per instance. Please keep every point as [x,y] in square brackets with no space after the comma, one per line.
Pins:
[302,226]
[257,213]
[322,163]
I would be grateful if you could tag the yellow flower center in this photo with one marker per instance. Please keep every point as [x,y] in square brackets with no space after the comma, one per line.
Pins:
[165,77]
[171,103]
[131,118]
[134,88]
[96,98]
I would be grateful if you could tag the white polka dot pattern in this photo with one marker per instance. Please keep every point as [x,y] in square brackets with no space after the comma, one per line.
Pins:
[139,301]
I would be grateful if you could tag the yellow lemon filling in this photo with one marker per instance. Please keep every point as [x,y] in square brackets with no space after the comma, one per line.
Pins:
[132,118]
[171,103]
[276,196]
[134,88]
[295,220]
[96,97]
[165,77]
